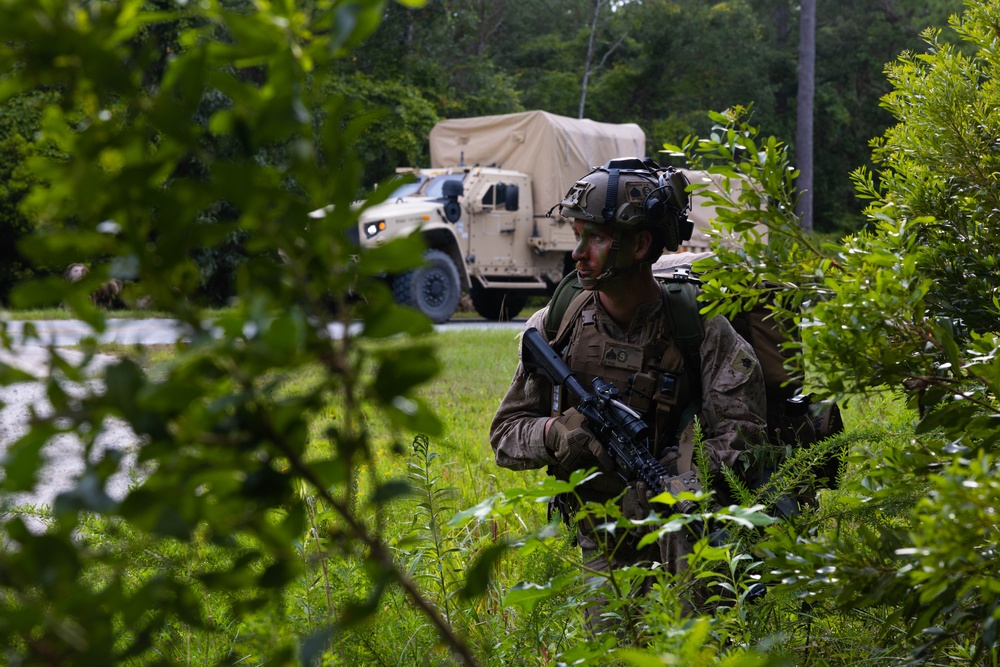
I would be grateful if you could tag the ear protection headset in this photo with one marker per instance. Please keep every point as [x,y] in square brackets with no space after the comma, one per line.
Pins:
[667,206]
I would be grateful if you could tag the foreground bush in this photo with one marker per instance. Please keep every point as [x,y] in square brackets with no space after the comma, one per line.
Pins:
[265,496]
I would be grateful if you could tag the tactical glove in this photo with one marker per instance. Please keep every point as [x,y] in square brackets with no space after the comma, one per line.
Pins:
[574,445]
[635,502]
[669,460]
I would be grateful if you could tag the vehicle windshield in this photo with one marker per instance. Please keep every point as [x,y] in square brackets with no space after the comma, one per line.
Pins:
[433,187]
[407,189]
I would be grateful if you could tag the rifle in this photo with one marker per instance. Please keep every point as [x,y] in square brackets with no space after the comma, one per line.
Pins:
[619,428]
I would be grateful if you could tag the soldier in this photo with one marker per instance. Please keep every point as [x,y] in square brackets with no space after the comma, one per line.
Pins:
[624,214]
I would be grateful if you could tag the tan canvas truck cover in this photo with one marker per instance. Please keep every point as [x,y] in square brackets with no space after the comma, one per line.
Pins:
[701,214]
[553,150]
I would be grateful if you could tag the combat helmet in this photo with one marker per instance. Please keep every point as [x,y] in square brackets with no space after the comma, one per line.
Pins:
[633,193]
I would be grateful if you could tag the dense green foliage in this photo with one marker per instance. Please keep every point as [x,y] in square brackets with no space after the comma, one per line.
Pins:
[910,305]
[659,63]
[273,523]
[19,120]
[227,451]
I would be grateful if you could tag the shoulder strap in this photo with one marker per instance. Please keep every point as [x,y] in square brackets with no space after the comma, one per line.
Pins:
[680,296]
[567,290]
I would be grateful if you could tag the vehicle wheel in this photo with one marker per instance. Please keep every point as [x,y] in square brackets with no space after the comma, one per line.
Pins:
[433,289]
[497,305]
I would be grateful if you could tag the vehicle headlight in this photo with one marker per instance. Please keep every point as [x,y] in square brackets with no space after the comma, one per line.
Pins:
[373,228]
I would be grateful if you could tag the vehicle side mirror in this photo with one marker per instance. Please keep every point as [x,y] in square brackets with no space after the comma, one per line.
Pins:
[452,189]
[511,201]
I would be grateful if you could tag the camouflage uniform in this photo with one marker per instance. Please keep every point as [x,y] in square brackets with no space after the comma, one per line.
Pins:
[610,209]
[731,414]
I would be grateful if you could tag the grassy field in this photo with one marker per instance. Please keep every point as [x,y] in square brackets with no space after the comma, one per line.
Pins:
[457,472]
[452,473]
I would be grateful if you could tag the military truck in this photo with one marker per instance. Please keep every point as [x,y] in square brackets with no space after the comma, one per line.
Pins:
[483,206]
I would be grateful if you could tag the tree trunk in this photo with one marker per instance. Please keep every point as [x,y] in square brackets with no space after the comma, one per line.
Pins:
[804,120]
[590,56]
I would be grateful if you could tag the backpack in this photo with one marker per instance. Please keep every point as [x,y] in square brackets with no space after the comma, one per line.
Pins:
[793,419]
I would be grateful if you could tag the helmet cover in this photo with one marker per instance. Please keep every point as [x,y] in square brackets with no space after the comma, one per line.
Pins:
[632,193]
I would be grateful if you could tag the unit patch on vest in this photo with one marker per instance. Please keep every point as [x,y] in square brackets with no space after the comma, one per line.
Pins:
[742,361]
[621,355]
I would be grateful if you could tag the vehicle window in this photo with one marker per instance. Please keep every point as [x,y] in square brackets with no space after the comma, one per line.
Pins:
[496,195]
[433,188]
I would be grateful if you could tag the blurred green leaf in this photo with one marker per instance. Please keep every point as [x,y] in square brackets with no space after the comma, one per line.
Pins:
[403,368]
[479,575]
[526,596]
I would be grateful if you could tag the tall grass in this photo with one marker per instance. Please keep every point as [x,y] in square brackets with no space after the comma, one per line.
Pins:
[453,472]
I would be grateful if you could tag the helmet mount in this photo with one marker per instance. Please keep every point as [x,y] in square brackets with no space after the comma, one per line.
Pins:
[610,196]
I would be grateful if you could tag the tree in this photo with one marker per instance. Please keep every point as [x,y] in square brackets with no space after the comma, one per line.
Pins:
[20,119]
[686,63]
[223,441]
[910,306]
[400,115]
[853,44]
[542,56]
[804,114]
[15,181]
[448,51]
[588,60]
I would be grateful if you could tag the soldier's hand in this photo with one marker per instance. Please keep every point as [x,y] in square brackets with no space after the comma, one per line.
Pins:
[669,460]
[574,445]
[635,503]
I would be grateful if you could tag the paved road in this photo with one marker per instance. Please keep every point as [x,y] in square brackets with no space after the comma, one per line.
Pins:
[66,333]
[31,354]
[160,331]
[64,455]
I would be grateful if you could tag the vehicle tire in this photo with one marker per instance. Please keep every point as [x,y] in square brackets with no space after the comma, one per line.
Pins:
[433,289]
[495,304]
